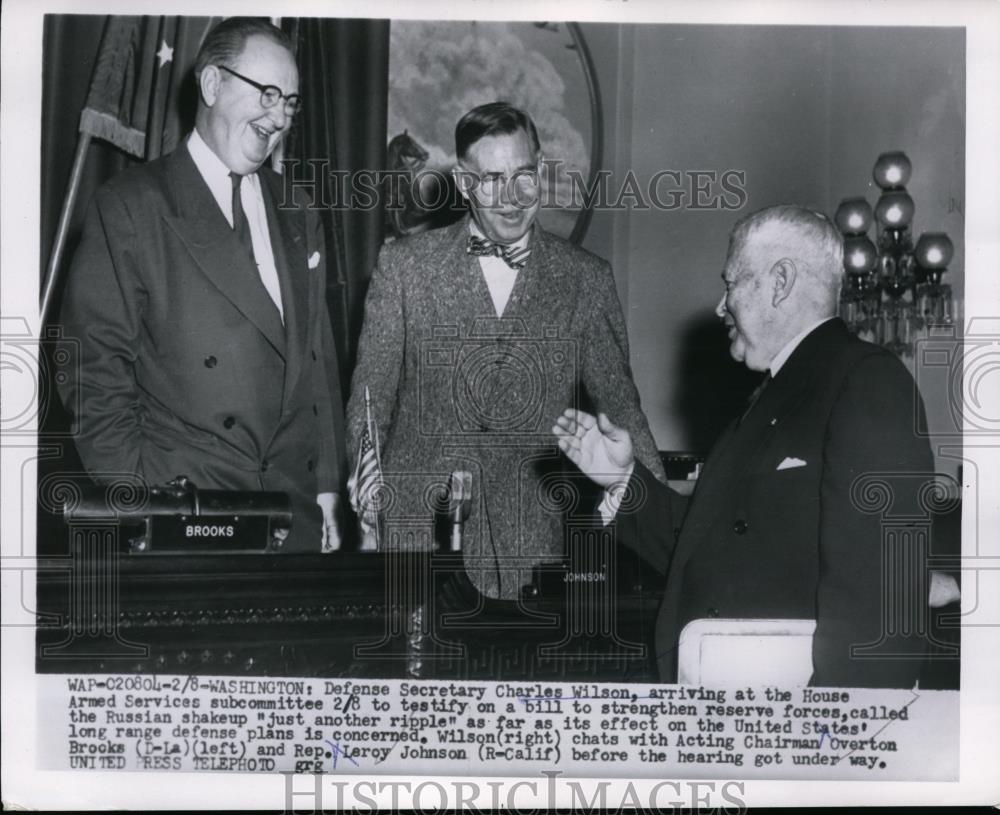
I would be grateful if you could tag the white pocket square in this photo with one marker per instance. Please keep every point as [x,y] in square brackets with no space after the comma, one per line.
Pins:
[790,463]
[313,260]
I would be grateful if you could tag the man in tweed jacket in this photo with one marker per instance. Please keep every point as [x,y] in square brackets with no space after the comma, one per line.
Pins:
[475,338]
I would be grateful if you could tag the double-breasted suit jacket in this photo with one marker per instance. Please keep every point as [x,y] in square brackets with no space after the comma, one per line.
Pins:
[454,387]
[185,364]
[789,516]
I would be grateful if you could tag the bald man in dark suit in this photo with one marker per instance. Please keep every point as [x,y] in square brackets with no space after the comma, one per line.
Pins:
[778,526]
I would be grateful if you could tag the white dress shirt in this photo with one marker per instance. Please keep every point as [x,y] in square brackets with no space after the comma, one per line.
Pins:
[500,278]
[612,499]
[216,175]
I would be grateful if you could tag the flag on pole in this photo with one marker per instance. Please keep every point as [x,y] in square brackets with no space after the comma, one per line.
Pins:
[367,478]
[140,99]
[366,482]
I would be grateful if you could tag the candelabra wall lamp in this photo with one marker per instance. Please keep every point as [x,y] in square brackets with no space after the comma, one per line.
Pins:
[893,293]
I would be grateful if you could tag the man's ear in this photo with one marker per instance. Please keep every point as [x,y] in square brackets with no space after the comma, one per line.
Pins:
[783,273]
[208,84]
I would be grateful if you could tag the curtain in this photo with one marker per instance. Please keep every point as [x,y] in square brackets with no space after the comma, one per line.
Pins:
[344,83]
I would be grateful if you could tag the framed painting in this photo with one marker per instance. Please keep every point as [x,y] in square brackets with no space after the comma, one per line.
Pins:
[441,69]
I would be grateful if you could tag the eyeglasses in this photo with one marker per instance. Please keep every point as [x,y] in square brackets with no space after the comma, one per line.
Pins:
[523,181]
[270,95]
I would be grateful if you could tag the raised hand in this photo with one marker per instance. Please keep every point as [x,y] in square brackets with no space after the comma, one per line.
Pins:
[943,590]
[602,450]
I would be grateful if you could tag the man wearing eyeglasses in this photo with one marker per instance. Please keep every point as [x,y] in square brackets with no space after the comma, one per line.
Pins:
[472,335]
[199,304]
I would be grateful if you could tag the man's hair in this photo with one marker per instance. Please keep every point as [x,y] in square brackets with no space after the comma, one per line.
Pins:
[493,119]
[805,236]
[226,41]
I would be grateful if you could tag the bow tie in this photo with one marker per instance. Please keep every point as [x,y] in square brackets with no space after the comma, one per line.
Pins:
[513,256]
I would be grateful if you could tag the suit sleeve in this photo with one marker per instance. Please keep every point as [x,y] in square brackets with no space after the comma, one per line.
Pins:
[874,470]
[606,372]
[102,311]
[381,350]
[645,520]
[332,453]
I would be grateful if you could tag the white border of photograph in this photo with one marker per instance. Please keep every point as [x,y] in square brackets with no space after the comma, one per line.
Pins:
[25,786]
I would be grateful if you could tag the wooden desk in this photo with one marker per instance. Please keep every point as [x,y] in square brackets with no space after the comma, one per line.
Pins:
[342,614]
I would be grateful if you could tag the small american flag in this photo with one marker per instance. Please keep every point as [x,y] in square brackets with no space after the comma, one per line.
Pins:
[367,480]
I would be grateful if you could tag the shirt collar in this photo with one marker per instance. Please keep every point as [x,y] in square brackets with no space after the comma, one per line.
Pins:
[518,244]
[209,165]
[782,356]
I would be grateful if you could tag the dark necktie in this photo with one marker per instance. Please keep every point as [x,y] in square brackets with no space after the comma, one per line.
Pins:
[513,256]
[755,396]
[241,226]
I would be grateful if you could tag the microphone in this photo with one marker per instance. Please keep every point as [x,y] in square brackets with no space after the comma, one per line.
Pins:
[459,505]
